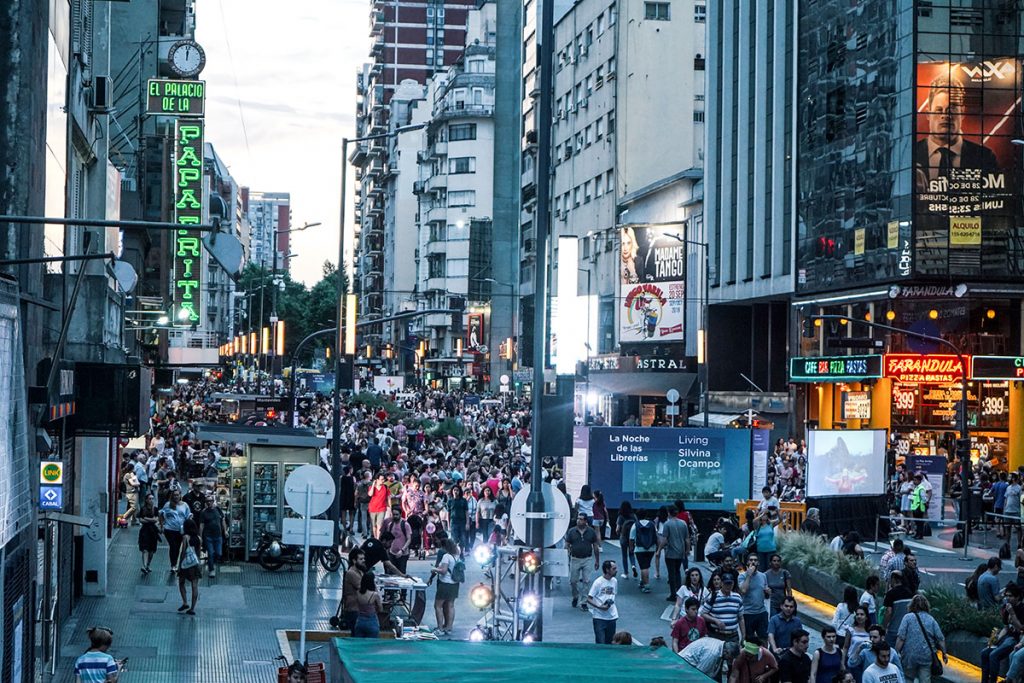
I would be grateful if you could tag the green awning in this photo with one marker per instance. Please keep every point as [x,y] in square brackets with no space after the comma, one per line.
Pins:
[436,661]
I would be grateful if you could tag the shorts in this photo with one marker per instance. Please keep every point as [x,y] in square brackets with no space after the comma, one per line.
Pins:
[446,592]
[644,559]
[190,574]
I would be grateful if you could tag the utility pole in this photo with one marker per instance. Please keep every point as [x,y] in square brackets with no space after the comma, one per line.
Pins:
[535,507]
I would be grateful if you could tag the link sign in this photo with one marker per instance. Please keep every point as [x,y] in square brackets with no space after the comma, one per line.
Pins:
[188,210]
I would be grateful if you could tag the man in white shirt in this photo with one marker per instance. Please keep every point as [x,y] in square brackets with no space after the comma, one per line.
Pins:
[883,670]
[601,599]
[714,549]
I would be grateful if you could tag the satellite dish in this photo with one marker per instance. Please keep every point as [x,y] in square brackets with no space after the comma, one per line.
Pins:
[226,250]
[125,275]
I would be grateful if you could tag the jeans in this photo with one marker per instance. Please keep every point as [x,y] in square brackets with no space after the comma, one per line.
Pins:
[579,571]
[460,534]
[485,528]
[367,626]
[756,625]
[173,545]
[1016,672]
[628,558]
[214,548]
[604,629]
[675,578]
[992,658]
[363,518]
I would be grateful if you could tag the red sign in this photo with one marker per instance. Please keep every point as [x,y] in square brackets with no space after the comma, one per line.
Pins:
[932,369]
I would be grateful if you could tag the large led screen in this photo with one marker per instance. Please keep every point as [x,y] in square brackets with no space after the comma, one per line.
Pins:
[845,463]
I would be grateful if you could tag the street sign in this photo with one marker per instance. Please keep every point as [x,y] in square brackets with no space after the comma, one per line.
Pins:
[51,473]
[321,490]
[51,497]
[557,507]
[503,379]
[321,532]
[672,396]
[671,410]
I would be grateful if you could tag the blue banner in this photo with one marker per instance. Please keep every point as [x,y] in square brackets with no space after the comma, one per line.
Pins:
[709,469]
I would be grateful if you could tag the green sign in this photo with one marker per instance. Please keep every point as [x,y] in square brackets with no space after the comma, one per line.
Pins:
[175,98]
[835,368]
[188,210]
[998,367]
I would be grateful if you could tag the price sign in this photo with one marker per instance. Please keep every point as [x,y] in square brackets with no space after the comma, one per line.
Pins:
[903,399]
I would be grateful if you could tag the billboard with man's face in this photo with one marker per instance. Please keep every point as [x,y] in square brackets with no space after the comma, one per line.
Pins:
[966,186]
[652,289]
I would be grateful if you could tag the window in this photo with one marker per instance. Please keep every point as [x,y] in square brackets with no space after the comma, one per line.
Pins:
[598,187]
[462,165]
[436,231]
[461,198]
[609,181]
[611,66]
[698,98]
[436,265]
[588,135]
[558,154]
[611,15]
[600,23]
[611,122]
[586,192]
[599,128]
[579,93]
[576,196]
[698,117]
[700,13]
[589,84]
[462,131]
[698,63]
[579,141]
[656,11]
[430,58]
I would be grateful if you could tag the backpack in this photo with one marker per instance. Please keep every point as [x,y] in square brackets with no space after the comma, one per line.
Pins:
[646,536]
[459,571]
[971,586]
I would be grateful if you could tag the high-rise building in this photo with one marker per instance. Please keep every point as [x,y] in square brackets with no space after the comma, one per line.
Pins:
[269,216]
[909,205]
[410,41]
[749,186]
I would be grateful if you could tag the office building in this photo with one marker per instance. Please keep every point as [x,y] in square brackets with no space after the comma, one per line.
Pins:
[270,216]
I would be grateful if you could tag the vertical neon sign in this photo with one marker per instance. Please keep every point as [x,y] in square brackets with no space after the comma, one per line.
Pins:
[188,210]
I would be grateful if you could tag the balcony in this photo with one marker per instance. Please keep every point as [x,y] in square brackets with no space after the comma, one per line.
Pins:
[390,170]
[374,209]
[418,187]
[437,182]
[479,111]
[377,49]
[377,22]
[358,154]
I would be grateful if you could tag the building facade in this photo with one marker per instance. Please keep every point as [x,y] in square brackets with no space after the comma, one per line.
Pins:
[749,203]
[269,215]
[909,216]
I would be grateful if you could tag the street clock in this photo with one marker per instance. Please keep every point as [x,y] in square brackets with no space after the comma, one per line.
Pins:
[186,58]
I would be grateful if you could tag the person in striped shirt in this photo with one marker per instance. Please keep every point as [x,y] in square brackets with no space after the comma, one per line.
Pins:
[722,610]
[97,665]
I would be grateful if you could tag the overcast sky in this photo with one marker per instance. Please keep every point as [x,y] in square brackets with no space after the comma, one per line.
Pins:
[288,71]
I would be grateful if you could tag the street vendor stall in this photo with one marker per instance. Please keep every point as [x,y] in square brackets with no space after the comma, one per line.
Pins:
[361,660]
[250,486]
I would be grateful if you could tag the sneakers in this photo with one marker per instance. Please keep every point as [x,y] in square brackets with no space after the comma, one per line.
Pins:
[213,573]
[183,608]
[584,607]
[635,572]
[439,632]
[644,588]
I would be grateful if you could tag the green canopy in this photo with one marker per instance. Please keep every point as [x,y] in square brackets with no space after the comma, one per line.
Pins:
[412,661]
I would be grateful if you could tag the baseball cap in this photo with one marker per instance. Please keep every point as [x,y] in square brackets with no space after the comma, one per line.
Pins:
[751,648]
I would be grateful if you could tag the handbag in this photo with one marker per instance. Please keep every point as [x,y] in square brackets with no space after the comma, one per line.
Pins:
[936,663]
[188,557]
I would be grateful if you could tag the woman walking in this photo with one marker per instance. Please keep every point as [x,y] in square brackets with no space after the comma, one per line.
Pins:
[623,524]
[828,659]
[458,508]
[189,568]
[485,513]
[600,516]
[447,589]
[149,532]
[919,641]
[173,516]
[369,605]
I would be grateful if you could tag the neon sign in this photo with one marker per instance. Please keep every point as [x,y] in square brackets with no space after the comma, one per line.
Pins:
[916,369]
[188,210]
[998,367]
[175,98]
[835,368]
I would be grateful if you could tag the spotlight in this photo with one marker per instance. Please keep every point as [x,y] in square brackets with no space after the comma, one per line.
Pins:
[528,638]
[481,596]
[890,315]
[483,554]
[529,603]
[529,562]
[477,636]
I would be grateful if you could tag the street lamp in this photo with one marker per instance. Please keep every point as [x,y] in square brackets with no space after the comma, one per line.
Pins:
[702,332]
[344,354]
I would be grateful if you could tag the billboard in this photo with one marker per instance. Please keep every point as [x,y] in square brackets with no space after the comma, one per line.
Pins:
[709,469]
[652,284]
[965,182]
[845,462]
[475,333]
[188,210]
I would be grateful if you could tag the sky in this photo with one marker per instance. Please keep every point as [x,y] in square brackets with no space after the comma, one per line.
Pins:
[280,95]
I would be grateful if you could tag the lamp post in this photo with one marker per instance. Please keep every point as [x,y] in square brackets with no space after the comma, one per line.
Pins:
[702,332]
[273,293]
[344,361]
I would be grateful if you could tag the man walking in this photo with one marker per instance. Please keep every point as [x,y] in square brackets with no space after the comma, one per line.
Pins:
[212,529]
[794,662]
[601,599]
[883,670]
[754,589]
[581,540]
[675,537]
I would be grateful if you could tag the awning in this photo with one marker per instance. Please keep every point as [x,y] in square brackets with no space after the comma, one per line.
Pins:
[136,444]
[260,436]
[642,383]
[714,419]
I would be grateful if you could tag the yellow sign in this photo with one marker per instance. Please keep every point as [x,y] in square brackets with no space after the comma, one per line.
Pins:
[965,231]
[51,473]
[859,236]
[892,230]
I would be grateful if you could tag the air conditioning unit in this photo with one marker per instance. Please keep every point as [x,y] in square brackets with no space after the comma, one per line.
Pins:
[102,94]
[585,102]
[610,76]
[558,213]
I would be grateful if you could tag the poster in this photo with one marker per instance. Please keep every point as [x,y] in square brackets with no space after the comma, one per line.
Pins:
[761,442]
[709,469]
[965,179]
[933,467]
[652,289]
[475,333]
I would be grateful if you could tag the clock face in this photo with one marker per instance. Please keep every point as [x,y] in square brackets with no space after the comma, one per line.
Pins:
[187,58]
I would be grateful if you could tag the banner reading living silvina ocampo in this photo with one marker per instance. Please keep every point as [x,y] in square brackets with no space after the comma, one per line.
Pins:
[709,469]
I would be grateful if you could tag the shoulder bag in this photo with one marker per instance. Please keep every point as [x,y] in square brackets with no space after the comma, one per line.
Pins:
[188,557]
[936,662]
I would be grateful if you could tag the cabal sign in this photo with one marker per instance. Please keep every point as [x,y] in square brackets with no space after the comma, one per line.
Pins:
[188,210]
[931,369]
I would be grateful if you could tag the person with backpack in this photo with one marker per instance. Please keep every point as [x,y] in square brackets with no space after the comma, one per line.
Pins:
[450,571]
[397,535]
[643,542]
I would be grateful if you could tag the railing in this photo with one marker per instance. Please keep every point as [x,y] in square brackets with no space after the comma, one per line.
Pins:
[793,514]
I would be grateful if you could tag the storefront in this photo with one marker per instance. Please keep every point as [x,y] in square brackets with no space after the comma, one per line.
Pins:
[916,397]
[618,387]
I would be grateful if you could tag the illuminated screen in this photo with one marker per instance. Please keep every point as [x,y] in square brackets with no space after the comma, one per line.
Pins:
[845,463]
